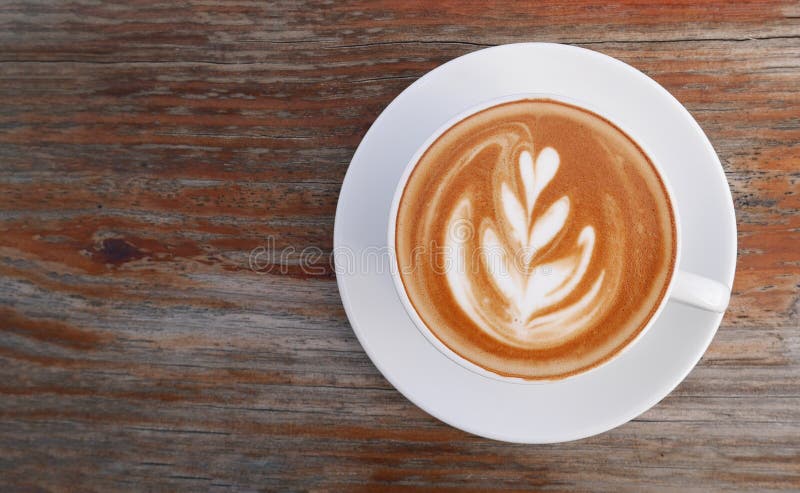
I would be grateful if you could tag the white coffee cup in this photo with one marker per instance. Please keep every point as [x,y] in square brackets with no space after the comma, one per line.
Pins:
[682,286]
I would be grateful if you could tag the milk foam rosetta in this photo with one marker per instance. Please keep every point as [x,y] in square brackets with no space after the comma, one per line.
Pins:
[532,309]
[535,239]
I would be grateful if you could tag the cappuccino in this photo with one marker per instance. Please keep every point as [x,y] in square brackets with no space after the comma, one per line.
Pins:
[535,239]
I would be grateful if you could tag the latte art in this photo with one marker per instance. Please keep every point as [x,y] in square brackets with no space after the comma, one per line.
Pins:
[535,239]
[534,292]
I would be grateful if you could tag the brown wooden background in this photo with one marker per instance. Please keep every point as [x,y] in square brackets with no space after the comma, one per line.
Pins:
[146,148]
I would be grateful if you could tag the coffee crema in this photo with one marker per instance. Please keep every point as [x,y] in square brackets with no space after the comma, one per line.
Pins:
[535,239]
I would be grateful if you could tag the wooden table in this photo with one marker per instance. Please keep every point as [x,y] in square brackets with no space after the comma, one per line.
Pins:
[147,148]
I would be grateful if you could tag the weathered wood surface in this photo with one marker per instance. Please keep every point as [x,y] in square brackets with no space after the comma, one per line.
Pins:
[146,148]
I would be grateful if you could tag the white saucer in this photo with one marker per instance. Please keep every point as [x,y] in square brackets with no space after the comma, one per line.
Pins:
[549,412]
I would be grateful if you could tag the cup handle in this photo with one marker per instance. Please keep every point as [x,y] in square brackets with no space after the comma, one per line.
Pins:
[700,291]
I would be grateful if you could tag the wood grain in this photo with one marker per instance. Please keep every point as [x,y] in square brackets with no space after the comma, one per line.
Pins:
[147,148]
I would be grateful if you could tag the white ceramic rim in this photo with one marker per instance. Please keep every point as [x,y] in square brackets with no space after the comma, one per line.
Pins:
[391,235]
